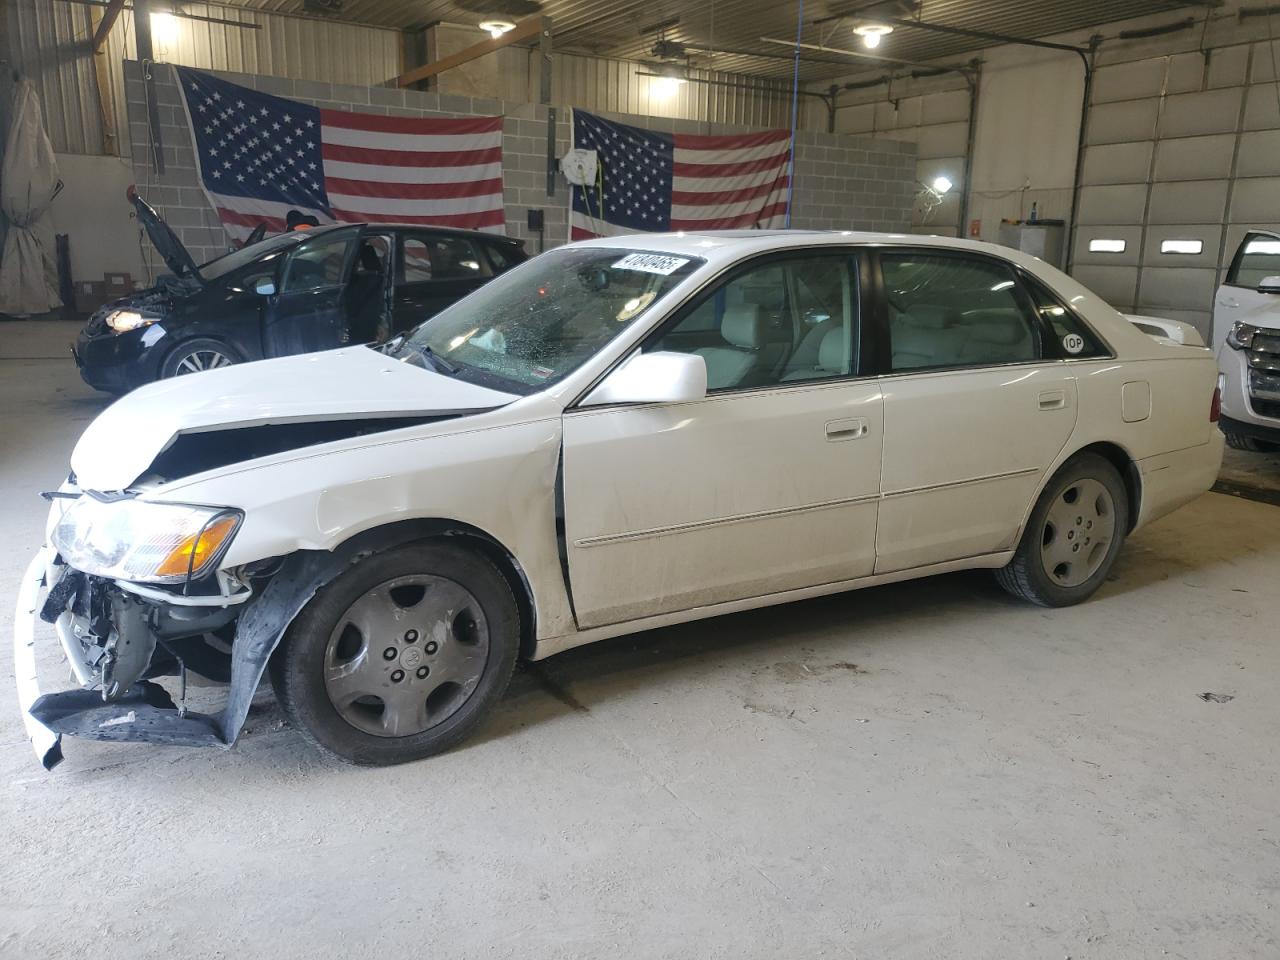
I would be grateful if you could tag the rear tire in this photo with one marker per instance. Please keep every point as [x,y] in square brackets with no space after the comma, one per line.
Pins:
[1073,536]
[197,355]
[1238,441]
[400,657]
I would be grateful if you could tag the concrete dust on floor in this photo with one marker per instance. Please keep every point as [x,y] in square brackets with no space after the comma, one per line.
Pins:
[922,770]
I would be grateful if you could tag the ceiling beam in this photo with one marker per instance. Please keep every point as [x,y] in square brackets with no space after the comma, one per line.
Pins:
[109,17]
[524,30]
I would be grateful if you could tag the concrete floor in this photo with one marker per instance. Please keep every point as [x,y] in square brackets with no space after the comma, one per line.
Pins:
[923,770]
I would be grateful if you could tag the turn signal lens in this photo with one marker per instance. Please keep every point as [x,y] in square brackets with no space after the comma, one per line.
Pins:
[1215,405]
[193,553]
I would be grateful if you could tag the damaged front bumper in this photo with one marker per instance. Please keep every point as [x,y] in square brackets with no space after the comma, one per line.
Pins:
[144,711]
[141,711]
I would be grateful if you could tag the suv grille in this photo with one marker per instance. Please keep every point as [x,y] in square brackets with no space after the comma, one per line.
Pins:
[1264,374]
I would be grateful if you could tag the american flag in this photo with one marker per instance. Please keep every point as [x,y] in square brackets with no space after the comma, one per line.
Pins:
[675,181]
[261,156]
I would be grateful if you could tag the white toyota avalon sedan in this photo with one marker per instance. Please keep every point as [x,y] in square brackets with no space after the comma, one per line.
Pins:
[614,436]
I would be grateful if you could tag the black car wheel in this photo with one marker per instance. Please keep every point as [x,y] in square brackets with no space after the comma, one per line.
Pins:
[402,656]
[195,356]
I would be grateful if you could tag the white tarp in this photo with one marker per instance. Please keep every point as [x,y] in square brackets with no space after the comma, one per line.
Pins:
[28,184]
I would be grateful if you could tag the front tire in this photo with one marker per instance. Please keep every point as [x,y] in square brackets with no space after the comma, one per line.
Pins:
[1238,441]
[1073,537]
[197,355]
[401,656]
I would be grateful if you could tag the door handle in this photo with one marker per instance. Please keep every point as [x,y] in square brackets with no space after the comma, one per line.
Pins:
[1229,302]
[850,429]
[1053,399]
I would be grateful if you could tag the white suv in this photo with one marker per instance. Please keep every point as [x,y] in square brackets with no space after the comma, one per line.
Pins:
[1246,341]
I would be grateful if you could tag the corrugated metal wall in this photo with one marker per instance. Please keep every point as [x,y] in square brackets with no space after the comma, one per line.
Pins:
[50,40]
[617,86]
[50,44]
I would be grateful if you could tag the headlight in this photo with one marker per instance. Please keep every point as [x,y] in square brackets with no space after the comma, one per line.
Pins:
[1241,336]
[123,320]
[148,542]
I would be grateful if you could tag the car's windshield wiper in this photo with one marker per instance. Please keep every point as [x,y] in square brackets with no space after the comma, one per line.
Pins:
[429,357]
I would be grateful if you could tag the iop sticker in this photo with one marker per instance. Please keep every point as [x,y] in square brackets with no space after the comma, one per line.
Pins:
[1073,343]
[650,263]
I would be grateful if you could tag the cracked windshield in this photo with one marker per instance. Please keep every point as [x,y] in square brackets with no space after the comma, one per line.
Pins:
[538,323]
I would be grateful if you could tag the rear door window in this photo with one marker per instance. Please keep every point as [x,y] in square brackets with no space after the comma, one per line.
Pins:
[428,256]
[955,311]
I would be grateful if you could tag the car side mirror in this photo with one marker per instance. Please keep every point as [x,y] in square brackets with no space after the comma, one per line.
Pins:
[661,377]
[266,288]
[1269,285]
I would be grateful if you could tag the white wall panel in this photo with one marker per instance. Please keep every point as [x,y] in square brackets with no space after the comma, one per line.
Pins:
[1188,288]
[1121,203]
[1189,201]
[1195,158]
[1116,285]
[1256,200]
[1259,154]
[1127,81]
[1192,114]
[1122,122]
[1117,162]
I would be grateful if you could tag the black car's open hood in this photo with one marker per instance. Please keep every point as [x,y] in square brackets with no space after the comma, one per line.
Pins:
[176,257]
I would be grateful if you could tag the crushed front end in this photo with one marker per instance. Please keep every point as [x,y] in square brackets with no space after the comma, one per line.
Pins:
[133,593]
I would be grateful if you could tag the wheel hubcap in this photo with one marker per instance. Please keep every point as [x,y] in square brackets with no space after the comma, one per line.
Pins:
[406,655]
[199,360]
[1078,532]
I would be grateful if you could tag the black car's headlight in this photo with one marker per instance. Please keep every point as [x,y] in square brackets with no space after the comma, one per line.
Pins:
[141,541]
[1241,336]
[122,321]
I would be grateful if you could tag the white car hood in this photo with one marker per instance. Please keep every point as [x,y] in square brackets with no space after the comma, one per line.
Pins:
[347,384]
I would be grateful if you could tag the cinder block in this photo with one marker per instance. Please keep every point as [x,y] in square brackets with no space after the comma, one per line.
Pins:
[312,90]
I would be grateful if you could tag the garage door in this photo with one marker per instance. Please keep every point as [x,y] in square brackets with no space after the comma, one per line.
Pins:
[1182,158]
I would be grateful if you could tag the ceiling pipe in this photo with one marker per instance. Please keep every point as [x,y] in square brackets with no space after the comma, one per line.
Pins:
[867,56]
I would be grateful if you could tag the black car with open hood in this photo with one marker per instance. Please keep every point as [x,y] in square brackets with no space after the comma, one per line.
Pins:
[314,289]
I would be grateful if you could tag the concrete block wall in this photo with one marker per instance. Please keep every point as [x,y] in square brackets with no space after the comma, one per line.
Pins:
[842,182]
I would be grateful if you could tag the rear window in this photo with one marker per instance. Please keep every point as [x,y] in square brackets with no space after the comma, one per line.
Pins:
[949,311]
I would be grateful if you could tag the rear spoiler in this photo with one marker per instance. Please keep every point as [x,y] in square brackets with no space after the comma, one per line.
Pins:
[1172,330]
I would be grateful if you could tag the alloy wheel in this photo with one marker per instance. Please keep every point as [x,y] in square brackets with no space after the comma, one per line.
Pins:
[198,360]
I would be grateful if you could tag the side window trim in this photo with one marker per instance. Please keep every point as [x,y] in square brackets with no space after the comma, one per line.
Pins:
[853,257]
[1029,315]
[1049,336]
[1238,257]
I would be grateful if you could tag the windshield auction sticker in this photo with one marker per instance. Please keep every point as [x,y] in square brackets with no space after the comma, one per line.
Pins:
[650,263]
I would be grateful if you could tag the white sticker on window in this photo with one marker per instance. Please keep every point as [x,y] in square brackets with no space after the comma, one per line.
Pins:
[650,263]
[1073,343]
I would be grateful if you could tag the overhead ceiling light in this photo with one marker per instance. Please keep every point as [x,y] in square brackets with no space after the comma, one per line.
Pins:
[164,28]
[667,86]
[496,28]
[871,33]
[941,184]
